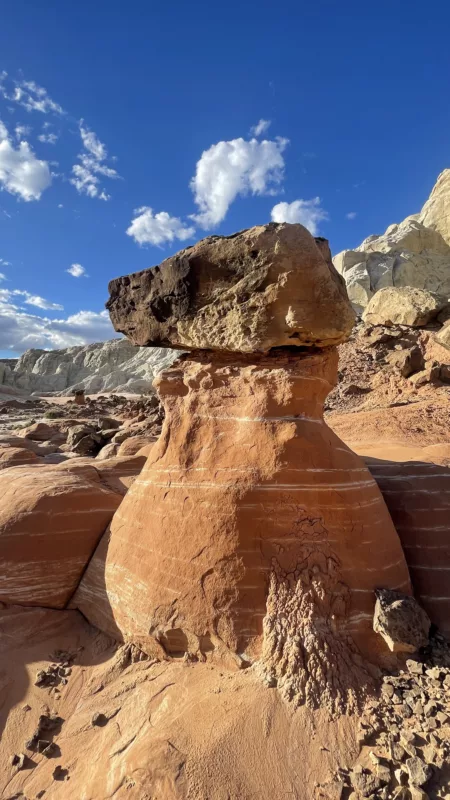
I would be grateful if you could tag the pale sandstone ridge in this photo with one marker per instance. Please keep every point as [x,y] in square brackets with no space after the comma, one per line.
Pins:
[116,365]
[269,286]
[415,252]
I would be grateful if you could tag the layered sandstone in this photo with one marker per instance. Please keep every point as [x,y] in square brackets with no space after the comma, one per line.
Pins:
[50,522]
[270,286]
[252,530]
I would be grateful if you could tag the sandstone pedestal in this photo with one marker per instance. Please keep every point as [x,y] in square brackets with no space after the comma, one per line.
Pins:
[253,532]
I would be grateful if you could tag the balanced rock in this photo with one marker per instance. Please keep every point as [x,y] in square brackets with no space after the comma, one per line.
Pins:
[266,287]
[50,523]
[405,306]
[251,531]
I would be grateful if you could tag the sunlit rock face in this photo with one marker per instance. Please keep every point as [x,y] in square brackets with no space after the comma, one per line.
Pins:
[270,286]
[253,533]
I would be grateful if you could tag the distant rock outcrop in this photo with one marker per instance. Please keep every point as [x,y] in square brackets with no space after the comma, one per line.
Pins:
[415,252]
[116,365]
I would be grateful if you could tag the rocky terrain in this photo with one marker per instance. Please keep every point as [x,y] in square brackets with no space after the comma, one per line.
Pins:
[237,587]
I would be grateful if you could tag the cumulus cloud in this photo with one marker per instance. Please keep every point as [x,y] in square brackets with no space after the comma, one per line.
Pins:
[21,173]
[262,126]
[351,215]
[149,228]
[77,271]
[20,330]
[237,167]
[85,174]
[307,212]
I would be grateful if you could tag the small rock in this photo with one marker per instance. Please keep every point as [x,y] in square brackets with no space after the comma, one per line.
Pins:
[365,782]
[436,673]
[417,793]
[442,717]
[18,761]
[414,667]
[399,619]
[99,720]
[419,772]
[430,708]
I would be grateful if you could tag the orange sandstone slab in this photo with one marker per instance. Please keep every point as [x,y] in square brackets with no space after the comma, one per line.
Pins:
[50,523]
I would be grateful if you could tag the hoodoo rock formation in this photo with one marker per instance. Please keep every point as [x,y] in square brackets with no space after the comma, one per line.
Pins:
[253,534]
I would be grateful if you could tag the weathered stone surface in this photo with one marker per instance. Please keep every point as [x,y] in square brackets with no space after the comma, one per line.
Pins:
[50,523]
[399,619]
[405,306]
[269,286]
[419,772]
[250,530]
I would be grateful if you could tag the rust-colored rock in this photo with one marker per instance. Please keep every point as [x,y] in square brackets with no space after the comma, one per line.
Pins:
[269,286]
[134,444]
[16,456]
[252,530]
[50,523]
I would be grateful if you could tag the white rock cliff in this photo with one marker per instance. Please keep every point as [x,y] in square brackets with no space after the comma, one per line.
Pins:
[115,365]
[415,252]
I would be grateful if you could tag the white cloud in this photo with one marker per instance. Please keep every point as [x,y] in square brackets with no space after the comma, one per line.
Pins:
[3,276]
[77,271]
[307,212]
[33,300]
[60,205]
[149,228]
[31,97]
[86,180]
[48,138]
[22,130]
[351,215]
[5,263]
[21,173]
[237,167]
[20,330]
[262,126]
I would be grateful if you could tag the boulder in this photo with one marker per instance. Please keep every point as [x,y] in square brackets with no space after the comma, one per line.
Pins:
[15,456]
[408,361]
[252,533]
[405,306]
[50,522]
[116,472]
[84,440]
[134,444]
[42,432]
[402,623]
[108,451]
[266,287]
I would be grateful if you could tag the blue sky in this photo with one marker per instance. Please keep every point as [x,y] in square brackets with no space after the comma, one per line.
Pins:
[132,94]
